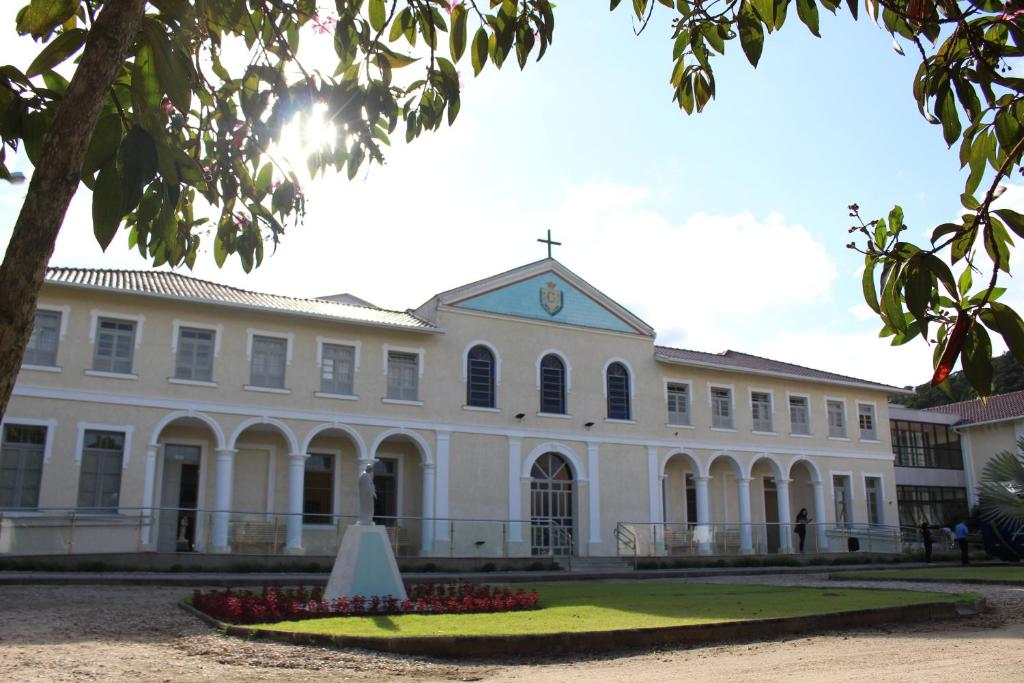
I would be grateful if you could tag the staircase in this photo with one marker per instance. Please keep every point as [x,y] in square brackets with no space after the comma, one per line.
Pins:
[600,565]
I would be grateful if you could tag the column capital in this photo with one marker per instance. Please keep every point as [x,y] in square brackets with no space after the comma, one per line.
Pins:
[702,480]
[226,452]
[783,482]
[428,466]
[299,457]
[818,484]
[744,480]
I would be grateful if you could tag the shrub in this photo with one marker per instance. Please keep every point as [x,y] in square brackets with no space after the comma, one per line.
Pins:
[280,604]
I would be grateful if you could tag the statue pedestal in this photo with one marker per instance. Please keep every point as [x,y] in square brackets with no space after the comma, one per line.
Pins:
[365,566]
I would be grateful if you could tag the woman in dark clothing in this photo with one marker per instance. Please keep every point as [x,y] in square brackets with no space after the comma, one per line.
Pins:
[926,538]
[801,526]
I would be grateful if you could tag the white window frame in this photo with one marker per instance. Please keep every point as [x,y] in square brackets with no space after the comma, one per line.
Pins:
[497,363]
[810,414]
[94,318]
[874,421]
[850,491]
[846,419]
[357,352]
[881,496]
[771,410]
[568,371]
[289,338]
[80,442]
[65,312]
[665,381]
[732,406]
[51,427]
[421,357]
[218,334]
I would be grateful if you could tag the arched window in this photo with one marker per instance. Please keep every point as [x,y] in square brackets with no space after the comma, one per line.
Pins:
[552,385]
[480,377]
[618,392]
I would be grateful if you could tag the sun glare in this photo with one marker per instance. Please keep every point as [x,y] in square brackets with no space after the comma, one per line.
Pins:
[303,136]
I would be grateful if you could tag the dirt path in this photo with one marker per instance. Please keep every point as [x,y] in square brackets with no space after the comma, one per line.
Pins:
[52,633]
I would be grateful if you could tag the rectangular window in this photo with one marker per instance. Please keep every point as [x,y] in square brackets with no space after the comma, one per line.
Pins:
[873,490]
[318,489]
[115,346]
[337,369]
[403,376]
[99,483]
[938,505]
[761,411]
[866,420]
[195,355]
[923,444]
[21,465]
[42,345]
[269,357]
[721,408]
[799,415]
[678,404]
[836,419]
[841,494]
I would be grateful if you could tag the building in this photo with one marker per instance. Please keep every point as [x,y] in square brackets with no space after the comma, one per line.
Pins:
[940,453]
[524,414]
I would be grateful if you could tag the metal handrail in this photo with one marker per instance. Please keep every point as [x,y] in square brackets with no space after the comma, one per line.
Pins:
[625,536]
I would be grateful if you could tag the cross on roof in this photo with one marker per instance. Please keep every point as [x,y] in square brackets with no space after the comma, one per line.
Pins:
[549,242]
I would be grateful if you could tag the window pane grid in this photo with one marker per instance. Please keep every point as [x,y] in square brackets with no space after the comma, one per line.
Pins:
[618,392]
[552,386]
[115,343]
[836,419]
[480,373]
[678,404]
[922,444]
[799,415]
[721,408]
[99,483]
[268,362]
[42,345]
[866,421]
[21,465]
[761,411]
[337,369]
[403,376]
[195,355]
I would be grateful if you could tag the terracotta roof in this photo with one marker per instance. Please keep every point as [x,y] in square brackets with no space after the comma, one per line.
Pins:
[995,408]
[177,286]
[745,362]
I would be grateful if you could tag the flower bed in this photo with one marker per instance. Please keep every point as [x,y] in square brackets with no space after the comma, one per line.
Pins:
[283,604]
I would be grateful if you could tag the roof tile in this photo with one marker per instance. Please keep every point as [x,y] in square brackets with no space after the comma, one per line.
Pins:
[999,407]
[171,284]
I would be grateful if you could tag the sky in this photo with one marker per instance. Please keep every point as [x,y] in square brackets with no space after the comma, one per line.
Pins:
[724,230]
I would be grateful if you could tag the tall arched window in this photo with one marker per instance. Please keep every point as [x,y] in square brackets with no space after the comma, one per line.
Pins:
[552,385]
[480,377]
[551,506]
[618,392]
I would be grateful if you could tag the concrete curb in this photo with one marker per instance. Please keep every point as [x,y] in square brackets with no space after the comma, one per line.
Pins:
[561,644]
[910,579]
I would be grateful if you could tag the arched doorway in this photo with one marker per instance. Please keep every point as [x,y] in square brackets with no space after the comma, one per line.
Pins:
[551,506]
[404,483]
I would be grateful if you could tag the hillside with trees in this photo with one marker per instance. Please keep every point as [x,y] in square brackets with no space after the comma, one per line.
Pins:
[1007,375]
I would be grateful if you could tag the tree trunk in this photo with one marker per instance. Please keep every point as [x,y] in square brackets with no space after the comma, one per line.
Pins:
[55,181]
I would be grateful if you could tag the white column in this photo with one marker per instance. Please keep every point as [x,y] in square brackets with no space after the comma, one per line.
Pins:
[654,494]
[746,537]
[443,481]
[427,533]
[515,487]
[703,515]
[819,515]
[594,500]
[148,494]
[968,461]
[296,491]
[785,531]
[223,483]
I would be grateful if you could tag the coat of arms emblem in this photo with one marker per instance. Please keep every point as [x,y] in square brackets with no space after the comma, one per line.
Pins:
[551,298]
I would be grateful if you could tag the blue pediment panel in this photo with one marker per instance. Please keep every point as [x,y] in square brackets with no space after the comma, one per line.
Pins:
[547,297]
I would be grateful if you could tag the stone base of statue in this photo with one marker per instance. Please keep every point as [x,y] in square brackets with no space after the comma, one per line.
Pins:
[365,566]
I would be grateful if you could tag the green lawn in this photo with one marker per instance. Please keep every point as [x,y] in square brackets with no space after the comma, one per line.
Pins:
[601,606]
[998,573]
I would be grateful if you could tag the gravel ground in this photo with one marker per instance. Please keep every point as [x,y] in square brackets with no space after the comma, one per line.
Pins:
[56,633]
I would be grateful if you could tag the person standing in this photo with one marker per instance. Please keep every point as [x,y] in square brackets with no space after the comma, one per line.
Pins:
[801,526]
[961,540]
[926,538]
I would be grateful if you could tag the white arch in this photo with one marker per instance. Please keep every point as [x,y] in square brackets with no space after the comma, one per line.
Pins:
[424,447]
[490,347]
[629,369]
[552,447]
[357,439]
[286,432]
[202,417]
[565,361]
[737,465]
[758,457]
[815,473]
[694,461]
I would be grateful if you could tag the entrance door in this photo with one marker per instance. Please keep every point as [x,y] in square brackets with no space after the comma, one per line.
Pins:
[551,506]
[179,498]
[771,515]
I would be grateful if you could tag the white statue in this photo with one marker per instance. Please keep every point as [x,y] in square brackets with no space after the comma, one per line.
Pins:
[367,495]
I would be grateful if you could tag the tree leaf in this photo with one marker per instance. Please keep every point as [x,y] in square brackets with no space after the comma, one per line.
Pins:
[976,360]
[807,10]
[457,38]
[138,164]
[58,50]
[479,52]
[1011,328]
[40,17]
[751,33]
[945,109]
[378,14]
[106,205]
[1012,219]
